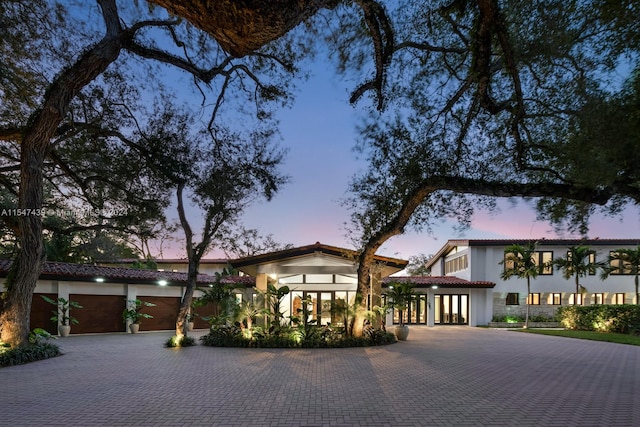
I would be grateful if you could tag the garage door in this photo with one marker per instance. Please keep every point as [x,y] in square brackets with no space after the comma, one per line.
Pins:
[99,313]
[164,313]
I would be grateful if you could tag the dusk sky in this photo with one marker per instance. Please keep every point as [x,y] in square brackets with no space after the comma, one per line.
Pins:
[319,131]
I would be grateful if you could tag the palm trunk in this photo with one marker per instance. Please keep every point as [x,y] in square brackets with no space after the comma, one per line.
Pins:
[526,319]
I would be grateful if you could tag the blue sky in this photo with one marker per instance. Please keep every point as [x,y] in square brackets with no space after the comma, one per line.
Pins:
[319,131]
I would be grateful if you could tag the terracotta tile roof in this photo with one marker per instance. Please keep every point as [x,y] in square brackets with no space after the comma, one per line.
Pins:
[86,272]
[440,281]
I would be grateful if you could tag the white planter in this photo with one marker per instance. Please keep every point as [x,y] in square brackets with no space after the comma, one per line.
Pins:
[134,328]
[64,330]
[402,332]
[190,326]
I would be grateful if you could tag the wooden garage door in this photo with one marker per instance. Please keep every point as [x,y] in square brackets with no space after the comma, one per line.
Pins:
[99,313]
[41,312]
[164,313]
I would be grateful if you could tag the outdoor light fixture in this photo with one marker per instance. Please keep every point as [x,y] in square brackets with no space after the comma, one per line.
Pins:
[99,279]
[434,286]
[162,282]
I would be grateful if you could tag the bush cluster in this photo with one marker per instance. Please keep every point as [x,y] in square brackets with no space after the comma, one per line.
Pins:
[623,319]
[315,337]
[512,318]
[29,353]
[185,341]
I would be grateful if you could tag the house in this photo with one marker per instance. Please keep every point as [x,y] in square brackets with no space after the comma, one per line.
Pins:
[479,261]
[319,272]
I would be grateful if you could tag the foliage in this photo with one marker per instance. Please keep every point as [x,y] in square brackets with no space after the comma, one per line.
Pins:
[577,263]
[624,261]
[417,265]
[38,349]
[271,299]
[63,308]
[588,335]
[184,341]
[133,312]
[519,261]
[624,319]
[513,318]
[221,296]
[399,295]
[315,337]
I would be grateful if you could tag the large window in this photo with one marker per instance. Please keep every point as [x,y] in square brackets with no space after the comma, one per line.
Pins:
[451,309]
[591,261]
[539,258]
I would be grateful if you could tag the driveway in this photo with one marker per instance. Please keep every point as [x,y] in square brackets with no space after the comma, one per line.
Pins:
[450,376]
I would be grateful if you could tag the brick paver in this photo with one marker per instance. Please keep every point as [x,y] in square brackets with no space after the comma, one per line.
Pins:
[442,376]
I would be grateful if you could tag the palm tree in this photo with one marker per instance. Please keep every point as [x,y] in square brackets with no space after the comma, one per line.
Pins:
[624,261]
[578,263]
[522,262]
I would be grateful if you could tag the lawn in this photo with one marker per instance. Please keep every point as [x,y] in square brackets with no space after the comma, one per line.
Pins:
[587,335]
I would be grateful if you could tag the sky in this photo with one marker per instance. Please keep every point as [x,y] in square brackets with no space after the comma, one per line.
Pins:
[320,133]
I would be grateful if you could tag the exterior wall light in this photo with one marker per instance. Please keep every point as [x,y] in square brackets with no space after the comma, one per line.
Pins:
[434,286]
[99,279]
[162,282]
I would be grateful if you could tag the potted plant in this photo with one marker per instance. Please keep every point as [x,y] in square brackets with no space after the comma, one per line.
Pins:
[61,315]
[133,314]
[399,296]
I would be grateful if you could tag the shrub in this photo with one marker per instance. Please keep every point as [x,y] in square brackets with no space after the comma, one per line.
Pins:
[185,341]
[314,337]
[622,319]
[29,353]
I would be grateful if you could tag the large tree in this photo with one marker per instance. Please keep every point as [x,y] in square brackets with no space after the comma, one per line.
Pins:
[57,56]
[490,99]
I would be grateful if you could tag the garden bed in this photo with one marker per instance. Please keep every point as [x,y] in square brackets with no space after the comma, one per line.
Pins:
[521,325]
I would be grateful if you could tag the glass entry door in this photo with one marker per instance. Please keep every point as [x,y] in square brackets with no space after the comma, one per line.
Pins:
[451,309]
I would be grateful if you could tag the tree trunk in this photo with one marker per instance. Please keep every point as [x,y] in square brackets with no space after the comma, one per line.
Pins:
[34,147]
[185,303]
[243,27]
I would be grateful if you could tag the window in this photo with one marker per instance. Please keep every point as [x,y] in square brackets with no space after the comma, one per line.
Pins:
[239,298]
[513,298]
[575,299]
[539,258]
[456,264]
[597,299]
[618,298]
[619,266]
[555,298]
[533,299]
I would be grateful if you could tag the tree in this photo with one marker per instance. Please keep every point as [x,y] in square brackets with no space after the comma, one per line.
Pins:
[624,261]
[42,109]
[578,262]
[249,242]
[417,265]
[522,262]
[486,102]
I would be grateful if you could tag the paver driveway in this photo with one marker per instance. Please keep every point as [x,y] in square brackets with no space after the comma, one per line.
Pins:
[441,376]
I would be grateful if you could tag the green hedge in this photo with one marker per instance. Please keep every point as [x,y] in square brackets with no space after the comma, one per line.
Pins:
[232,336]
[623,319]
[29,353]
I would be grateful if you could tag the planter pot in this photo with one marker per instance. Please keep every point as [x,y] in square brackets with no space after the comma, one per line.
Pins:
[402,332]
[190,326]
[134,328]
[64,330]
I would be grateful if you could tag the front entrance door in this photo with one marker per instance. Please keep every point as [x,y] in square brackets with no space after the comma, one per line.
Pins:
[451,309]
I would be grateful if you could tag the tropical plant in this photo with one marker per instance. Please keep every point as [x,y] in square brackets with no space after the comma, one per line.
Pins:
[579,262]
[247,312]
[521,262]
[624,261]
[220,296]
[61,315]
[271,299]
[347,312]
[399,295]
[133,312]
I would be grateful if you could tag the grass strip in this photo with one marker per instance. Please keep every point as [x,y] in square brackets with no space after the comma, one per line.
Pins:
[586,335]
